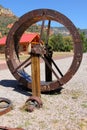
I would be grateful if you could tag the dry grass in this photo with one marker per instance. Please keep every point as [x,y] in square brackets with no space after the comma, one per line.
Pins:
[2,56]
[55,55]
[62,54]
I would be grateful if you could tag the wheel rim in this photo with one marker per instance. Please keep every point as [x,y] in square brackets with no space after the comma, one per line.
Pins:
[18,29]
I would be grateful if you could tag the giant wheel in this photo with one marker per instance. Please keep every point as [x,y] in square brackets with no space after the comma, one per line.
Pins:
[12,51]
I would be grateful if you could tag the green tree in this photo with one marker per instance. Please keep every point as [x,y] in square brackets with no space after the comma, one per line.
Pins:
[68,43]
[57,42]
[84,41]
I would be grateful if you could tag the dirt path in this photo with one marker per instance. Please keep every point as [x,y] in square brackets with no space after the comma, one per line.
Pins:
[64,111]
[56,56]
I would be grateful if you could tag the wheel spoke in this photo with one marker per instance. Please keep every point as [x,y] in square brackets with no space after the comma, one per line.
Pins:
[48,31]
[50,67]
[48,72]
[23,64]
[41,33]
[56,67]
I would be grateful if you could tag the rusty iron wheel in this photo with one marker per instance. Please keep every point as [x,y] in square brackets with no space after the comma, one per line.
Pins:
[6,128]
[13,39]
[33,102]
[5,107]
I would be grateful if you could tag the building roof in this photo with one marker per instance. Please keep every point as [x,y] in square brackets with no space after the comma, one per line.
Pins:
[26,38]
[3,41]
[29,37]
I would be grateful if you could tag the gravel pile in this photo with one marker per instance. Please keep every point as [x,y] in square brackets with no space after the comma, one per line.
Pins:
[64,111]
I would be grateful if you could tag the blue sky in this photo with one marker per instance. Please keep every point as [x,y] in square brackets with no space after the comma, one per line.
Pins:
[75,10]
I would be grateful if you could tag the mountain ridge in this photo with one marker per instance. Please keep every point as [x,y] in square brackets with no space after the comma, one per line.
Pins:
[7,18]
[6,11]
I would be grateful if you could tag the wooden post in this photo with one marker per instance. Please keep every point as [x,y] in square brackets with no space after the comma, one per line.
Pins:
[35,68]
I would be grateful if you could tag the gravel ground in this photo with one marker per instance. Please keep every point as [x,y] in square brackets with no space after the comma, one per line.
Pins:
[64,111]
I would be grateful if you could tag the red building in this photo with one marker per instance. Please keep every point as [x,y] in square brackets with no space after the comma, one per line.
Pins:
[25,41]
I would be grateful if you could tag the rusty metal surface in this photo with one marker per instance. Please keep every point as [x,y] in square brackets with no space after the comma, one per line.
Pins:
[18,29]
[5,108]
[32,103]
[37,49]
[7,128]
